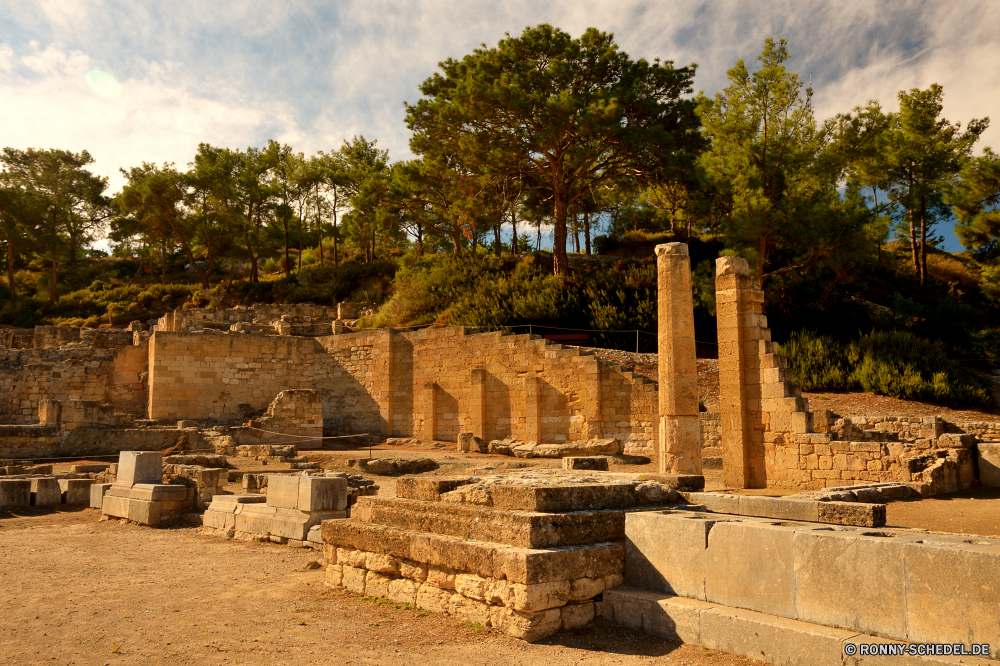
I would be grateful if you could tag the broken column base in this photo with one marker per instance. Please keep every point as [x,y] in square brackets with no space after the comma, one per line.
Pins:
[149,504]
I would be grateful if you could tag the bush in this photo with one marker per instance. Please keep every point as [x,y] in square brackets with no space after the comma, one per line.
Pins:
[818,362]
[893,363]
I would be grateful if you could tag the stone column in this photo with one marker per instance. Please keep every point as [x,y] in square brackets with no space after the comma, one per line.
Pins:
[430,411]
[388,371]
[680,427]
[532,409]
[593,418]
[477,408]
[734,302]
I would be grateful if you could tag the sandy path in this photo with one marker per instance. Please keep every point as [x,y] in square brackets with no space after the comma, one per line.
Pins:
[77,591]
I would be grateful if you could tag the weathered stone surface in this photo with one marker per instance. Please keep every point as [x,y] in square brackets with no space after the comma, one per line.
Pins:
[989,464]
[775,640]
[403,591]
[432,598]
[97,491]
[665,551]
[845,579]
[599,463]
[354,579]
[471,586]
[158,492]
[537,597]
[320,493]
[656,613]
[15,492]
[283,491]
[75,491]
[334,575]
[852,513]
[581,589]
[515,528]
[45,492]
[469,610]
[526,626]
[952,591]
[139,467]
[751,565]
[428,490]
[576,615]
[377,584]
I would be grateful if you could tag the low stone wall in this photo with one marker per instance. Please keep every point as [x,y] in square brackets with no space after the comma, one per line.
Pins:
[901,585]
[50,442]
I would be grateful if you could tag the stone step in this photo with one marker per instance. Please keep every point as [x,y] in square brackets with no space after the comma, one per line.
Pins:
[513,528]
[489,560]
[755,635]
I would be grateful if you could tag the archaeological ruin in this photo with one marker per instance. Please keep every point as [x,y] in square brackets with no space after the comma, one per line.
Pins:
[201,399]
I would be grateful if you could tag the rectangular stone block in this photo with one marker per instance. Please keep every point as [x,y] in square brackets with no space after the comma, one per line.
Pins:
[989,464]
[116,507]
[144,512]
[158,492]
[952,591]
[779,508]
[751,565]
[320,493]
[45,492]
[97,492]
[674,618]
[15,493]
[857,514]
[665,552]
[139,467]
[599,463]
[283,491]
[846,579]
[75,491]
[774,640]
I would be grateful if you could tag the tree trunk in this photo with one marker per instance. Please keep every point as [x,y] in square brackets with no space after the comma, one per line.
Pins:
[560,263]
[497,244]
[288,267]
[923,244]
[586,231]
[513,235]
[10,272]
[914,250]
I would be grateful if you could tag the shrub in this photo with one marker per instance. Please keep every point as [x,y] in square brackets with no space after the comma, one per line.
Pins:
[893,363]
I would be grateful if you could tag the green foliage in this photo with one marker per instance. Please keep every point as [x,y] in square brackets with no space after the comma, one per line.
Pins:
[893,363]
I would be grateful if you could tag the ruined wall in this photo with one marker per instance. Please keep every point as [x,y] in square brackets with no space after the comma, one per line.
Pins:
[431,384]
[223,318]
[105,376]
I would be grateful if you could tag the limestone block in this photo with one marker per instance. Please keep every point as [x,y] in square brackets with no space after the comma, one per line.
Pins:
[538,596]
[381,563]
[665,552]
[144,512]
[989,464]
[432,598]
[674,618]
[471,586]
[15,492]
[139,467]
[283,491]
[320,493]
[779,508]
[334,575]
[156,492]
[775,640]
[851,513]
[413,570]
[581,589]
[97,491]
[353,558]
[577,615]
[598,463]
[403,591]
[377,584]
[75,491]
[844,579]
[354,579]
[952,591]
[750,565]
[526,626]
[45,492]
[116,507]
[469,610]
[441,577]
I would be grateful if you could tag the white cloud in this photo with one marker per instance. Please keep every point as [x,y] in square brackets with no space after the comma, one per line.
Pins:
[312,74]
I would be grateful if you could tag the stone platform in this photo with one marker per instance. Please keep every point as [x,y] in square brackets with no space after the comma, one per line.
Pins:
[530,553]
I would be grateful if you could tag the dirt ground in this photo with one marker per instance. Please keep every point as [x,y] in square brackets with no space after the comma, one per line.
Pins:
[78,591]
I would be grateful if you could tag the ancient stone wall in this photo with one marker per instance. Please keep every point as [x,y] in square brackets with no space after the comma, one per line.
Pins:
[223,318]
[431,384]
[53,337]
[105,376]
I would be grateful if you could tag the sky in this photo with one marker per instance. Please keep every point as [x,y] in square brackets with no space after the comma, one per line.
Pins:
[148,81]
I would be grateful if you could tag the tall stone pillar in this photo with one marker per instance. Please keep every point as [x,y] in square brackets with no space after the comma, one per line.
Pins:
[430,411]
[593,418]
[388,376]
[680,427]
[532,409]
[477,408]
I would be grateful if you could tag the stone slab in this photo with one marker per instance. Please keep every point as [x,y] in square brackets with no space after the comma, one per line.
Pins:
[655,613]
[857,514]
[489,560]
[139,467]
[283,491]
[15,493]
[75,491]
[989,464]
[158,492]
[320,493]
[523,529]
[45,492]
[97,492]
[665,551]
[597,463]
[751,565]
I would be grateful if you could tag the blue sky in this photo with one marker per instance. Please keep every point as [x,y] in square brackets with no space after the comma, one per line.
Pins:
[312,73]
